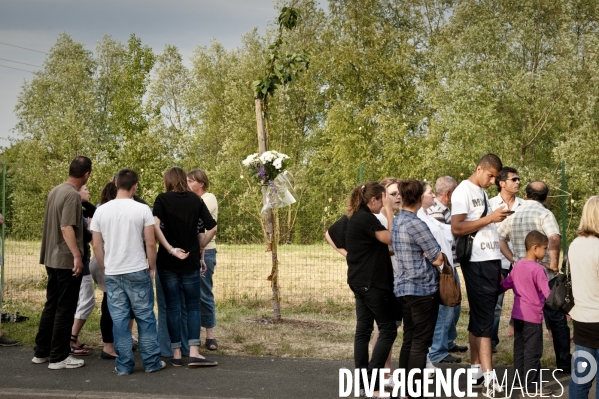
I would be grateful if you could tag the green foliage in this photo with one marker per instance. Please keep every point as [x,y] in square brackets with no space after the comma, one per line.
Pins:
[416,88]
[282,69]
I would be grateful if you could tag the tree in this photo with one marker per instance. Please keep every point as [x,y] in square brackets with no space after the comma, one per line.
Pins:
[55,114]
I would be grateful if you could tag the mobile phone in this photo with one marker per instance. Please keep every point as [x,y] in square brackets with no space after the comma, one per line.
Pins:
[510,212]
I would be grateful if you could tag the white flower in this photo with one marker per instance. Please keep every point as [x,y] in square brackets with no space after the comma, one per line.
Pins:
[251,160]
[267,157]
[278,163]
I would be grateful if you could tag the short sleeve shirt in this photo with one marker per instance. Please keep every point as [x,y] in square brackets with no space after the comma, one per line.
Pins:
[411,239]
[121,223]
[469,199]
[210,201]
[63,208]
[531,215]
[368,261]
[498,202]
[179,215]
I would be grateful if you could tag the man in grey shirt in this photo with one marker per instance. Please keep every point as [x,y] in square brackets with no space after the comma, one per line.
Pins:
[62,254]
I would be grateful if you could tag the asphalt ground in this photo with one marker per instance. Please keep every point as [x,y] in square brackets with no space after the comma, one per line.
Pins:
[235,377]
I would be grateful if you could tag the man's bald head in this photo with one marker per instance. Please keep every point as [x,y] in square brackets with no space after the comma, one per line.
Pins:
[537,191]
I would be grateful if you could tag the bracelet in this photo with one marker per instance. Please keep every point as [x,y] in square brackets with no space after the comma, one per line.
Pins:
[172,251]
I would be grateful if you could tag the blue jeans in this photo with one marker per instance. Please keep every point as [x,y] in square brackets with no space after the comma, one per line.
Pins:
[163,338]
[172,285]
[445,329]
[579,390]
[206,296]
[126,292]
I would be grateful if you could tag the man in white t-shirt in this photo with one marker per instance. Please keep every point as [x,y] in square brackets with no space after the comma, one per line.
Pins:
[119,228]
[482,273]
[508,185]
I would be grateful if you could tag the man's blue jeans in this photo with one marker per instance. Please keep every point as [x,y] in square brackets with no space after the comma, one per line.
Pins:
[578,390]
[126,292]
[207,307]
[172,286]
[445,329]
[163,338]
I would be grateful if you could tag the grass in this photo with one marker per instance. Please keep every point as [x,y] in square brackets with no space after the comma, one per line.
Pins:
[318,311]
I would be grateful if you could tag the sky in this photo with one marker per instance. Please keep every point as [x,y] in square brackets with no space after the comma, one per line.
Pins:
[36,24]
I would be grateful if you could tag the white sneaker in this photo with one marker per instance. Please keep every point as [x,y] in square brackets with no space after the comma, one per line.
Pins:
[68,363]
[162,367]
[390,385]
[39,360]
[495,392]
[430,365]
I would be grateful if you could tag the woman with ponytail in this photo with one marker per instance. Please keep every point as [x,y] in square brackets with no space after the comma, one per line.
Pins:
[363,240]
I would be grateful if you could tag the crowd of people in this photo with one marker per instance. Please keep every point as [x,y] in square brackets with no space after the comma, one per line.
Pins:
[395,236]
[124,232]
[394,258]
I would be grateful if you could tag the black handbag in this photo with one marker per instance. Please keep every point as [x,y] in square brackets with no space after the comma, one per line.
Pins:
[463,244]
[561,297]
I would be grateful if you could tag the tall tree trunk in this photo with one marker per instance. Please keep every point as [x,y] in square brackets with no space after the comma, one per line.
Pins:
[270,230]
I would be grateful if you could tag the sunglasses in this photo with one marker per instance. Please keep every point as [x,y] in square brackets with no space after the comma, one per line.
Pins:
[514,179]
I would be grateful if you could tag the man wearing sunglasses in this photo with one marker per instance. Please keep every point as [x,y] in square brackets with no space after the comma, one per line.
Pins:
[508,185]
[533,215]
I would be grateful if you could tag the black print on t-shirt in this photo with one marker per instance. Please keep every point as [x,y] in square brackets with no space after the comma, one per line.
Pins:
[478,202]
[489,245]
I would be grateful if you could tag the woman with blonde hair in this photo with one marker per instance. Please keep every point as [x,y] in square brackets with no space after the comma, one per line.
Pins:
[583,257]
[198,182]
[178,214]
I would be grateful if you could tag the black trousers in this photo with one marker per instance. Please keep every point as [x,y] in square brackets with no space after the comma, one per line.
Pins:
[558,324]
[374,304]
[419,319]
[53,339]
[528,350]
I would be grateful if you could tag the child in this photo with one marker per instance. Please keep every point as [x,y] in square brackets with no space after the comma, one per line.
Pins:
[531,288]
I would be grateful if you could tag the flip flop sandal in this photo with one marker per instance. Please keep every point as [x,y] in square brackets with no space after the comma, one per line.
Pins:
[75,338]
[210,343]
[79,351]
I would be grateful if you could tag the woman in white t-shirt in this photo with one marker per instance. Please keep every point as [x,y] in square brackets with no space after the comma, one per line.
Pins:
[198,182]
[584,266]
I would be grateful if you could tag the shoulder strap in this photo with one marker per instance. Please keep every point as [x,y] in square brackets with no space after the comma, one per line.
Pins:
[485,199]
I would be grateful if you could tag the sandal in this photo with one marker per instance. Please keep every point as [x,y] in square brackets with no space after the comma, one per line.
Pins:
[79,351]
[82,346]
[211,344]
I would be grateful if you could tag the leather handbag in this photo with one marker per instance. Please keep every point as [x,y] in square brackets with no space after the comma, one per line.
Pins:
[463,244]
[561,297]
[449,289]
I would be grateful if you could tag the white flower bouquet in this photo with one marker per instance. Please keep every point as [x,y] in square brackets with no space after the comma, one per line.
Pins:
[267,166]
[269,170]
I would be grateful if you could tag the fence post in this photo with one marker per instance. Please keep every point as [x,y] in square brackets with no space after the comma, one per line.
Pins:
[2,238]
[564,209]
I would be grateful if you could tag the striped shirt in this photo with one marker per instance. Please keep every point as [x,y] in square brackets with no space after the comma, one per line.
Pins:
[440,212]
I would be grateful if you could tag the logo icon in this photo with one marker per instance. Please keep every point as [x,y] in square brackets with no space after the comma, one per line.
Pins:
[584,367]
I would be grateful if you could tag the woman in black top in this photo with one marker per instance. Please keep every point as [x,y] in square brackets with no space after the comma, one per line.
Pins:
[178,213]
[364,240]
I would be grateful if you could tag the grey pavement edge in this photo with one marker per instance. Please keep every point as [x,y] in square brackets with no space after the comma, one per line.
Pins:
[235,377]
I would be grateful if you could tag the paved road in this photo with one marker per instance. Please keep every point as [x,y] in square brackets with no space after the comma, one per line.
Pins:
[235,377]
